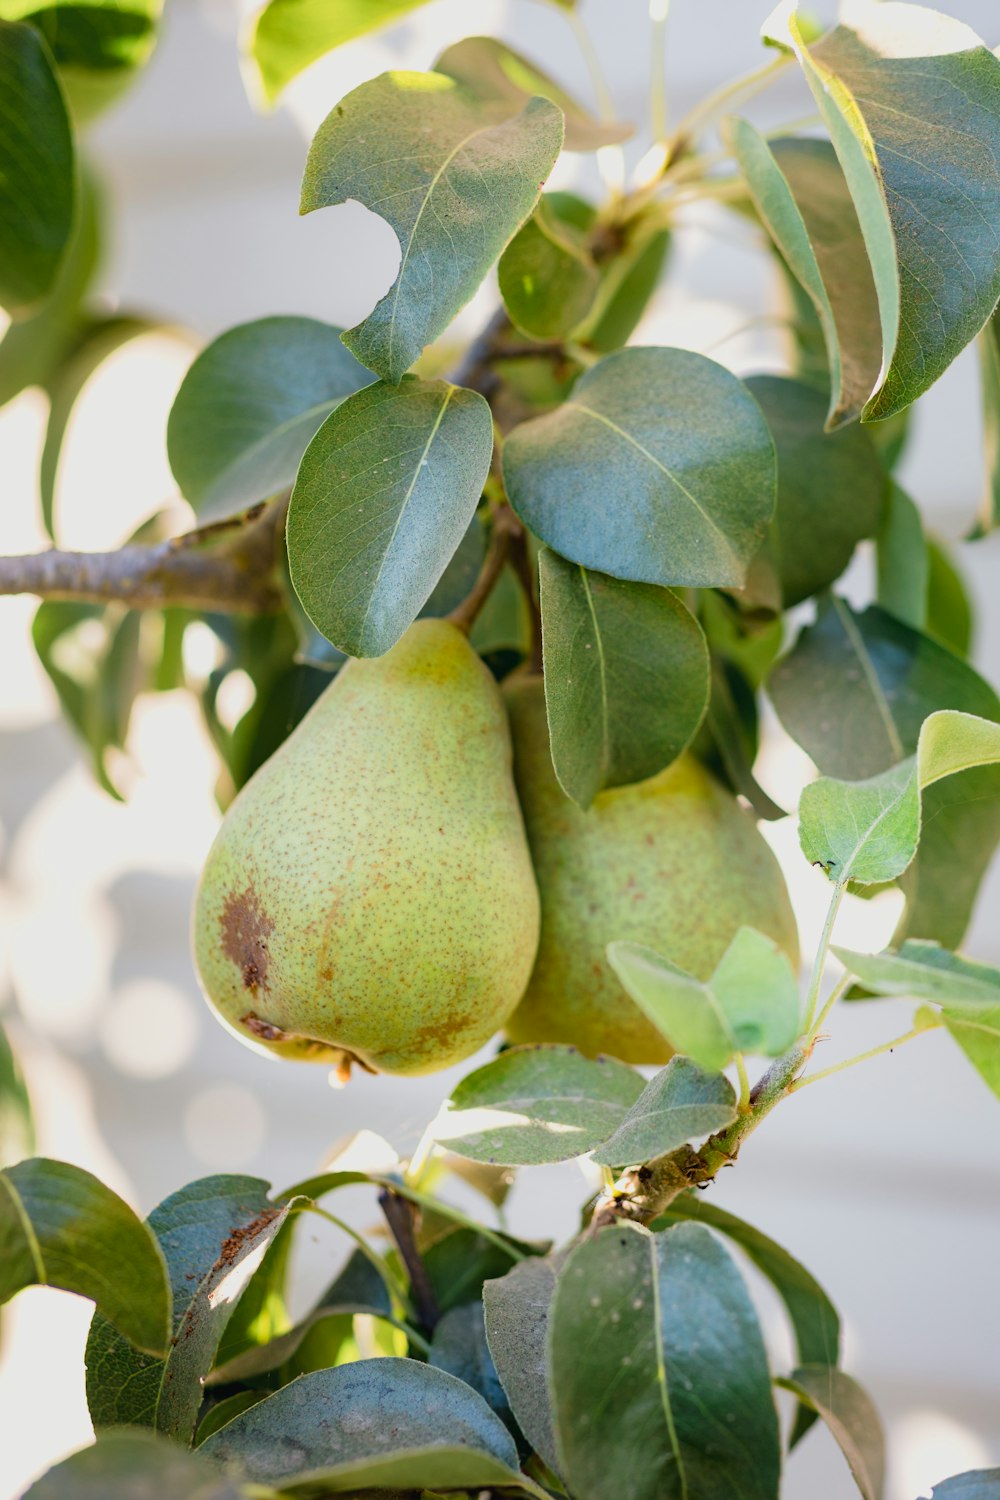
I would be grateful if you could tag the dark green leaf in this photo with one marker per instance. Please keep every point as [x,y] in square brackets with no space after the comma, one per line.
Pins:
[848,1411]
[731,725]
[749,1004]
[903,561]
[800,194]
[96,341]
[949,608]
[377,1422]
[680,445]
[459,1348]
[60,1227]
[386,491]
[926,971]
[626,677]
[496,73]
[213,1234]
[868,831]
[537,1104]
[682,1103]
[516,1310]
[814,1319]
[977,1484]
[133,1466]
[628,282]
[288,35]
[655,1350]
[224,1411]
[249,405]
[911,99]
[17,1131]
[548,279]
[37,169]
[831,488]
[461,1260]
[454,177]
[91,36]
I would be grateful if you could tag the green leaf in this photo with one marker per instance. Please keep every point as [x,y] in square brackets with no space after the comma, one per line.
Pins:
[548,279]
[496,73]
[856,688]
[848,1412]
[903,561]
[750,1003]
[818,522]
[516,1310]
[679,443]
[248,407]
[459,1348]
[377,1422]
[217,1415]
[95,36]
[453,176]
[989,365]
[976,1484]
[803,201]
[37,170]
[461,1260]
[925,971]
[626,677]
[97,340]
[17,1130]
[977,1032]
[287,35]
[537,1104]
[61,1227]
[949,609]
[868,831]
[133,1466]
[911,99]
[655,1350]
[628,282]
[385,493]
[814,1319]
[213,1234]
[681,1103]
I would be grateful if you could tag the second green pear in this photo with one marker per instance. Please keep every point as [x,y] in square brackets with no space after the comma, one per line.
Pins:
[673,862]
[370,897]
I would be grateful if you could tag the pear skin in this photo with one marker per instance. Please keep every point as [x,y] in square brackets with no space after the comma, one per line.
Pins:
[673,862]
[369,897]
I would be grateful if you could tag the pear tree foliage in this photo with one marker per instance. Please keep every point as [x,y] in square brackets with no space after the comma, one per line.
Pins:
[532,584]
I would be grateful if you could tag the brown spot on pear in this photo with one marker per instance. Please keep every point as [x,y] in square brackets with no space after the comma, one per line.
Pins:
[679,840]
[370,893]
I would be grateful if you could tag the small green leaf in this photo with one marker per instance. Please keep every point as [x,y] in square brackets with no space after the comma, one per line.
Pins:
[628,282]
[133,1466]
[626,677]
[848,1412]
[496,73]
[818,522]
[61,1227]
[813,1317]
[868,831]
[950,617]
[989,364]
[37,170]
[376,1423]
[17,1130]
[454,177]
[516,1310]
[680,445]
[750,1003]
[537,1104]
[385,493]
[903,561]
[911,99]
[800,194]
[287,35]
[100,37]
[925,971]
[977,1032]
[655,1350]
[213,1234]
[680,1104]
[248,407]
[548,279]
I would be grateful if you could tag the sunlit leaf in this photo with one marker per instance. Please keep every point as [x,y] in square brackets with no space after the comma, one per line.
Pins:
[682,1103]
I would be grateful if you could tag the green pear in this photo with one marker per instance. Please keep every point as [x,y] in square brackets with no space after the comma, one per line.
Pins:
[369,897]
[673,862]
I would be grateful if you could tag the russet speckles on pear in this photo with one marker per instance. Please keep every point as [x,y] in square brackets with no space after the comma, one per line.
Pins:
[370,895]
[673,862]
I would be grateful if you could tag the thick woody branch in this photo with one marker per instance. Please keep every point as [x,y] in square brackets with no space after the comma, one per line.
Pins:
[227,568]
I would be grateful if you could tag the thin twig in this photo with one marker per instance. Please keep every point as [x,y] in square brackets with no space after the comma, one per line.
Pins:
[400,1215]
[505,527]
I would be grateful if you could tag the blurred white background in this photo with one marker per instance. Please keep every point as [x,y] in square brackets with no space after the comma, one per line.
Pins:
[885,1182]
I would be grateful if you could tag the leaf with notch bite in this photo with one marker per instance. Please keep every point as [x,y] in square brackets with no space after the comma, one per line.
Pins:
[453,176]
